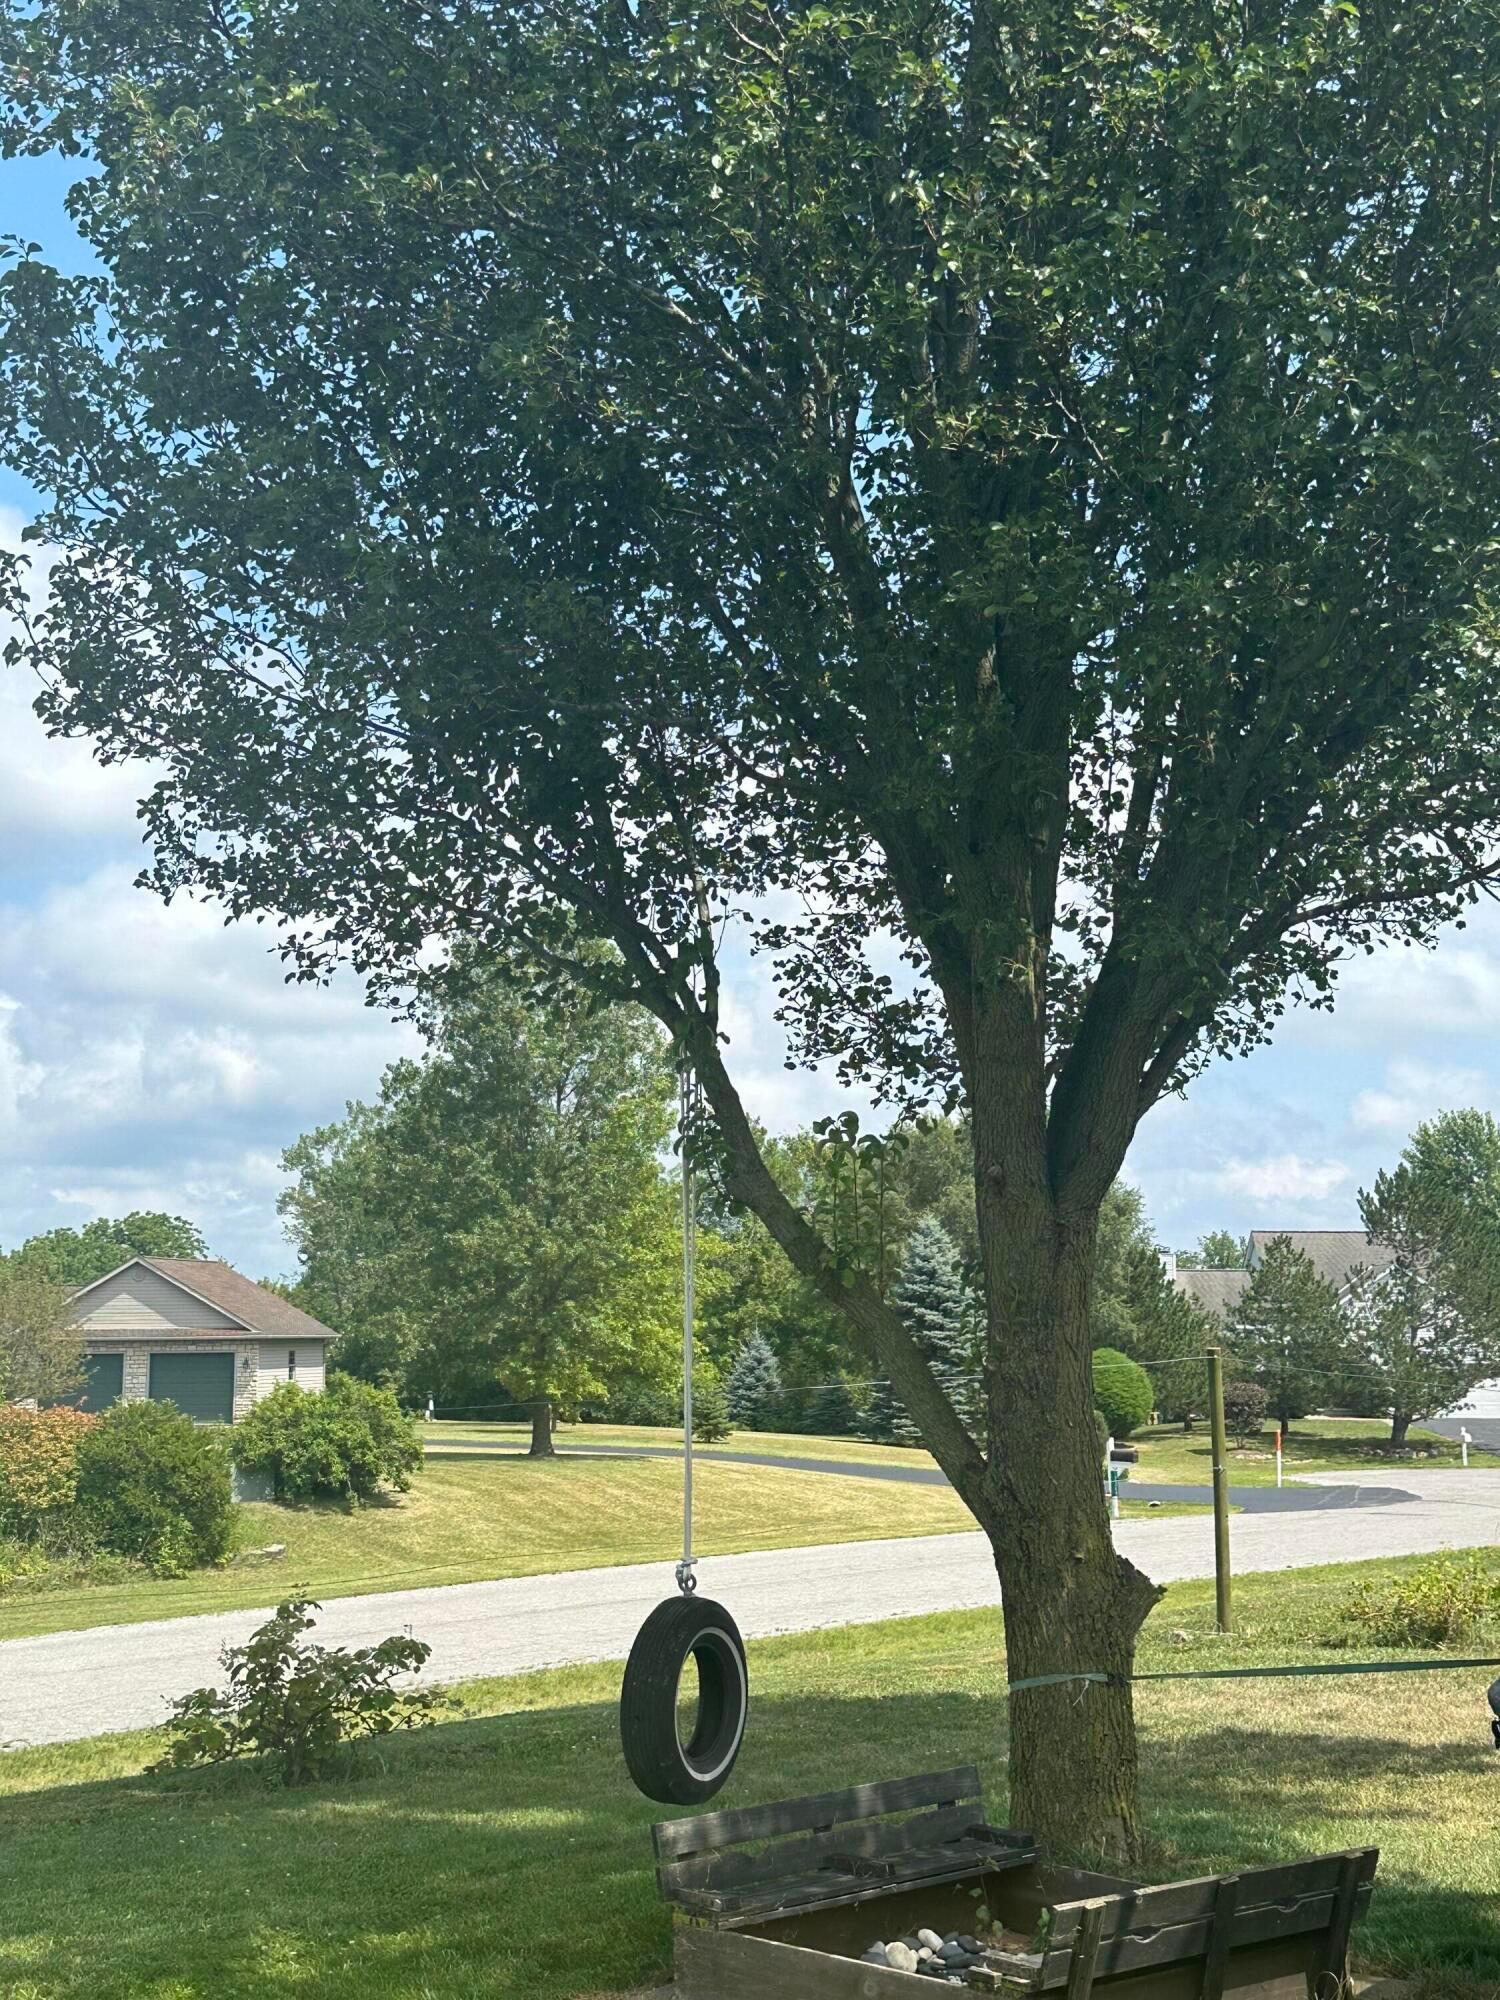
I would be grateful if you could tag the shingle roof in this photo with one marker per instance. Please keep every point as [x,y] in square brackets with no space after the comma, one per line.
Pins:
[1333,1253]
[1214,1287]
[263,1311]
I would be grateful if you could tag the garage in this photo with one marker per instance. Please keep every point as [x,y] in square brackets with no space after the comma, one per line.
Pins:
[103,1379]
[201,1385]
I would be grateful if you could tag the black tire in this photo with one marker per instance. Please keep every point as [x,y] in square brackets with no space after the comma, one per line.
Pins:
[662,1765]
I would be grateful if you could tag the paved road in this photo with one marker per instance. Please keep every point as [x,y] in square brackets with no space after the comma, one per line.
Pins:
[1292,1499]
[72,1684]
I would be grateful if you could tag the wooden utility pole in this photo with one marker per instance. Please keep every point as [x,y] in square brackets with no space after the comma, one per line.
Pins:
[1221,1486]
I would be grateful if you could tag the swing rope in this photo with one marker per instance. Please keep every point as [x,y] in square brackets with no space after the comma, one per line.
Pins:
[687,1583]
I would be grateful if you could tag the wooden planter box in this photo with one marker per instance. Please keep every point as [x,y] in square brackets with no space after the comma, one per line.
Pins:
[778,1902]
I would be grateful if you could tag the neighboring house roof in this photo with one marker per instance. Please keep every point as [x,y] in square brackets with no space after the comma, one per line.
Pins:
[218,1284]
[1333,1253]
[1214,1287]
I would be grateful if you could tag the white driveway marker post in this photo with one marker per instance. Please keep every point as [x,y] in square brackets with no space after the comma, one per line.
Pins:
[1465,1440]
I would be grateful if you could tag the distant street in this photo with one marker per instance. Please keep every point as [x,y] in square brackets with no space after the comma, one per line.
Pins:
[72,1684]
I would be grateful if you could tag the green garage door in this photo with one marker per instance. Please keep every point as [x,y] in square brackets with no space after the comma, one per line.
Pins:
[201,1385]
[103,1376]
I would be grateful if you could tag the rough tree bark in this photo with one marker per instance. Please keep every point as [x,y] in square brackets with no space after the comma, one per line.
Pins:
[541,1429]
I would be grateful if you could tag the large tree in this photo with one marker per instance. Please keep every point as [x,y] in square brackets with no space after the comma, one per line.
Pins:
[1288,1333]
[41,1355]
[1013,484]
[1425,1326]
[70,1256]
[499,1221]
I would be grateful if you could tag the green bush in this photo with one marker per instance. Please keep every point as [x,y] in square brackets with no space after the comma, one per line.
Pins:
[1122,1391]
[1447,1601]
[344,1442]
[295,1702]
[1244,1409]
[154,1485]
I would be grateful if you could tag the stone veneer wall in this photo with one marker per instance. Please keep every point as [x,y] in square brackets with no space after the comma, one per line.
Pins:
[135,1376]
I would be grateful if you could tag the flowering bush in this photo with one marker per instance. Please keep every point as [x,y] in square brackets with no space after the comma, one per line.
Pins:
[38,1464]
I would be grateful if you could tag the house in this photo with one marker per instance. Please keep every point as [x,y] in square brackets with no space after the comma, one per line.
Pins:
[1333,1254]
[193,1332]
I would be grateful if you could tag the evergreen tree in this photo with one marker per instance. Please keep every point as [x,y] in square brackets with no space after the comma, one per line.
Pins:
[754,1387]
[1287,1332]
[935,1305]
[830,1411]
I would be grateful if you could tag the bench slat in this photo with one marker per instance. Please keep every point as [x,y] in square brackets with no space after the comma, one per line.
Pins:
[676,1838]
[1185,1902]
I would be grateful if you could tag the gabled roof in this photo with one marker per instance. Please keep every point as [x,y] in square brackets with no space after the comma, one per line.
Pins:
[1333,1253]
[1214,1287]
[215,1283]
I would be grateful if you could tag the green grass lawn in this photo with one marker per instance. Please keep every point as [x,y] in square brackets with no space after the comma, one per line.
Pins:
[1317,1444]
[468,1518]
[1168,1455]
[504,1851]
[474,1517]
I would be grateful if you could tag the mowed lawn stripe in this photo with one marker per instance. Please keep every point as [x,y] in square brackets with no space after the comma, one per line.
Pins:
[470,1519]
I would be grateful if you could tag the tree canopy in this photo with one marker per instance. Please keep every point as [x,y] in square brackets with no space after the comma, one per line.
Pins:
[1287,1332]
[497,1226]
[73,1257]
[1015,486]
[1425,1327]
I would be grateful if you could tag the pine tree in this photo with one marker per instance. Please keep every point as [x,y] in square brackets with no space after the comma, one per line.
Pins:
[830,1411]
[754,1387]
[1287,1332]
[934,1301]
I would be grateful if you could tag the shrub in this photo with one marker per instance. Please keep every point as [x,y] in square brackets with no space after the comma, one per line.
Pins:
[153,1485]
[710,1412]
[1446,1601]
[1122,1391]
[1244,1409]
[639,1403]
[344,1442]
[754,1386]
[298,1703]
[58,1559]
[38,1464]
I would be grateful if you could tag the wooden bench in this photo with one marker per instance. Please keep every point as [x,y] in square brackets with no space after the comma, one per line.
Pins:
[783,1899]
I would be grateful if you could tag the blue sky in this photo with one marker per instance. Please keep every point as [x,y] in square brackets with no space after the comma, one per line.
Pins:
[152,1057]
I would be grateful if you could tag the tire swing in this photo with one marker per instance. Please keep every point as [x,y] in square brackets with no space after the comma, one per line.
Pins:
[684,1628]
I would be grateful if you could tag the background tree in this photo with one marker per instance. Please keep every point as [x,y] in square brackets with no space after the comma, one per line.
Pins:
[498,1224]
[937,1309]
[830,1411]
[752,1388]
[41,1355]
[1287,1333]
[75,1257]
[1012,484]
[1426,1328]
[1217,1250]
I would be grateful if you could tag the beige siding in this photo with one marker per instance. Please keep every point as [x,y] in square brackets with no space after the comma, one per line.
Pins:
[137,1299]
[273,1358]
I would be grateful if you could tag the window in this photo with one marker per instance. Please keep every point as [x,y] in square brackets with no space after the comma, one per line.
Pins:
[291,1364]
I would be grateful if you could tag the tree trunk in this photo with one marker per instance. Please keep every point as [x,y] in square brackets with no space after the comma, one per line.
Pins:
[1399,1427]
[1071,1603]
[541,1429]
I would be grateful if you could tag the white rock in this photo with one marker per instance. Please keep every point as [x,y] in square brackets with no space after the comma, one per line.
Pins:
[930,1939]
[901,1957]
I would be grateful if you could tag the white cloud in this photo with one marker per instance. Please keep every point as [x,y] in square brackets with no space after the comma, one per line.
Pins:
[1412,1091]
[1282,1177]
[150,1056]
